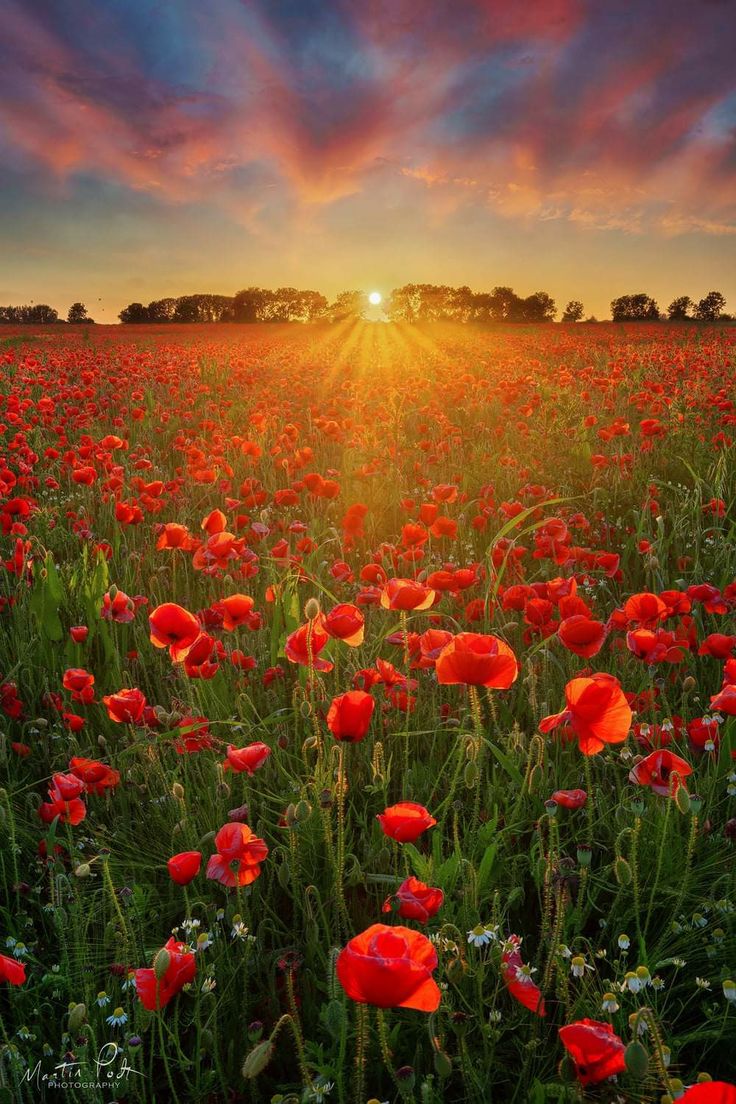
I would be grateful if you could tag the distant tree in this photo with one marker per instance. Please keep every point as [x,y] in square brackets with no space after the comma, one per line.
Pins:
[573,311]
[711,307]
[77,313]
[505,305]
[162,310]
[678,309]
[348,304]
[539,307]
[250,305]
[634,308]
[134,313]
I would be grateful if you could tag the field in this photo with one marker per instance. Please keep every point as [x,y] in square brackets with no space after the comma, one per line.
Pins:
[431,628]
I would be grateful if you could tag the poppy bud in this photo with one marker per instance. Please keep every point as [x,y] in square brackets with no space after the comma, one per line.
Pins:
[302,811]
[312,609]
[306,711]
[335,1018]
[689,684]
[622,871]
[283,741]
[255,1031]
[82,870]
[113,592]
[325,799]
[101,743]
[682,800]
[442,1064]
[455,970]
[77,1016]
[222,789]
[177,791]
[637,1059]
[290,815]
[258,1059]
[470,774]
[161,963]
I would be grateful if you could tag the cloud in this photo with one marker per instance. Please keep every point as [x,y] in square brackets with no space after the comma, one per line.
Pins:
[609,117]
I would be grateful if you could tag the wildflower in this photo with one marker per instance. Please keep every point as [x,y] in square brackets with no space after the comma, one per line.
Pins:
[118,1017]
[415,900]
[405,821]
[597,713]
[624,942]
[390,967]
[473,659]
[208,984]
[184,867]
[702,983]
[596,1052]
[481,935]
[102,999]
[609,1003]
[578,966]
[349,716]
[729,990]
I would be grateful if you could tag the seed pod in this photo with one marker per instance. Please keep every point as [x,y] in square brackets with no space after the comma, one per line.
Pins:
[177,791]
[302,811]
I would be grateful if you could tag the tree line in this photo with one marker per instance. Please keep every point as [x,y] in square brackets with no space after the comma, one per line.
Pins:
[410,303]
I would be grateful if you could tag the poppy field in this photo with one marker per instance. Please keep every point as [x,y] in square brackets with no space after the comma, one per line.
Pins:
[368,713]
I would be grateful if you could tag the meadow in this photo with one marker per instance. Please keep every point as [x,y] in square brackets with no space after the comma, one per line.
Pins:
[368,713]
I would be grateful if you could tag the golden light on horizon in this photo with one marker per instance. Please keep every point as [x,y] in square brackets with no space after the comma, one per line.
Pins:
[375,298]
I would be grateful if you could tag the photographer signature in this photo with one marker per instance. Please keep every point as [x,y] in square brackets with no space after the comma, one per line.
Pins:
[107,1071]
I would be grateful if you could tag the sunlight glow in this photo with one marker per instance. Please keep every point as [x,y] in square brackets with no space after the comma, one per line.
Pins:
[375,298]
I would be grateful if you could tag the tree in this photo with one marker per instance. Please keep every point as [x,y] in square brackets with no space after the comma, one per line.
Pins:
[162,310]
[711,307]
[678,309]
[634,308]
[573,311]
[134,313]
[348,304]
[539,307]
[77,313]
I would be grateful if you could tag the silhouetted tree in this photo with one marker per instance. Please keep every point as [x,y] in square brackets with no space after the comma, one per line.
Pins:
[162,310]
[678,309]
[573,311]
[539,307]
[348,304]
[134,313]
[634,308]
[711,307]
[77,314]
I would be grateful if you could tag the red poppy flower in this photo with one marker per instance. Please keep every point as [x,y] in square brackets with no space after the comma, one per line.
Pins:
[125,707]
[597,1053]
[570,799]
[12,971]
[581,635]
[79,633]
[597,712]
[518,982]
[710,1092]
[656,772]
[305,643]
[64,801]
[349,716]
[406,594]
[248,758]
[405,821]
[417,901]
[717,645]
[644,609]
[184,867]
[239,855]
[174,628]
[390,968]
[345,622]
[725,700]
[97,777]
[238,609]
[155,993]
[473,659]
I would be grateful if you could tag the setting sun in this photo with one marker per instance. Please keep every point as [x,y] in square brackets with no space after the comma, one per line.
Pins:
[375,298]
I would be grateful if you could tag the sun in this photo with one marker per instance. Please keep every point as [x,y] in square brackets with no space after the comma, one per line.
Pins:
[375,298]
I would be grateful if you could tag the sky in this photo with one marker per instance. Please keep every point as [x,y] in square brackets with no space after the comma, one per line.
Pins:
[165,147]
